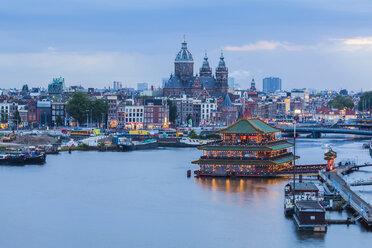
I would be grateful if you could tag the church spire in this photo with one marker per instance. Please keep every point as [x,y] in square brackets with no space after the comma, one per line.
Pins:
[221,64]
[205,70]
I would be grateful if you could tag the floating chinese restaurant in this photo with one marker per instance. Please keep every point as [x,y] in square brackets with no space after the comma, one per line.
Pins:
[250,147]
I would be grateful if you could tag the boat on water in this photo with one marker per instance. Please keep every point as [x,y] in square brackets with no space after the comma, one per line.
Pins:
[22,158]
[138,145]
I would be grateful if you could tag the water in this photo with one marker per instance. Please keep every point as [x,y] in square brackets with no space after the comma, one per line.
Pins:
[143,199]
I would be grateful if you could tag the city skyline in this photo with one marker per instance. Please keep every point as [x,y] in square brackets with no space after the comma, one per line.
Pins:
[309,44]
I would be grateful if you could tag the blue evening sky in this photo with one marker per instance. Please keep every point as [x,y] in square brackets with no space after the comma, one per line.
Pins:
[308,43]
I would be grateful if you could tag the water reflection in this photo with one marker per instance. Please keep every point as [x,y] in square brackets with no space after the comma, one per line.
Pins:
[238,185]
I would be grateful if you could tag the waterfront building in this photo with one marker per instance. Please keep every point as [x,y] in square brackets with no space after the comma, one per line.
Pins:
[207,106]
[134,116]
[249,147]
[112,117]
[31,114]
[58,113]
[325,114]
[156,114]
[271,84]
[44,113]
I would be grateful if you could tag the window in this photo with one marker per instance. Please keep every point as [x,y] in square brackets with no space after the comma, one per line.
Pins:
[312,217]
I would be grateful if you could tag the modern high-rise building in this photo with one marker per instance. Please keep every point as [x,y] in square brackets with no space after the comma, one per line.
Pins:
[117,85]
[271,84]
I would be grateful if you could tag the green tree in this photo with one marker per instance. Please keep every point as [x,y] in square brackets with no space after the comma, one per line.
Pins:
[344,92]
[78,106]
[365,102]
[341,102]
[172,111]
[99,109]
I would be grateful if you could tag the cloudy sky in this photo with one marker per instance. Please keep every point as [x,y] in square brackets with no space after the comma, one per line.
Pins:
[309,43]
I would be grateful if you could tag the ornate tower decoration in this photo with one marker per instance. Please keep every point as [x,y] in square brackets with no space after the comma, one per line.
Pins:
[222,75]
[205,70]
[330,157]
[184,63]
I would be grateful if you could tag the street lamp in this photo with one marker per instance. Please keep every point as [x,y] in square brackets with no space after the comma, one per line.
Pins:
[297,111]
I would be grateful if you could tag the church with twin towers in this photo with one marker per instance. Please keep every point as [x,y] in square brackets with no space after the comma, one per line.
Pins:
[183,81]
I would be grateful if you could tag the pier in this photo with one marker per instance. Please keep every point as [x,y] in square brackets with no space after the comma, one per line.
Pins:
[360,206]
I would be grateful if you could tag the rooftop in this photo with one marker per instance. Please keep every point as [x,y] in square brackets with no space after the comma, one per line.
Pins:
[251,126]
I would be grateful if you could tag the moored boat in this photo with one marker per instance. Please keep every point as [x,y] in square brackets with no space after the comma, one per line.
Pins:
[138,145]
[22,158]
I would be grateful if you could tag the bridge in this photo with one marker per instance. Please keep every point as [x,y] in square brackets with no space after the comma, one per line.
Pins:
[317,131]
[334,178]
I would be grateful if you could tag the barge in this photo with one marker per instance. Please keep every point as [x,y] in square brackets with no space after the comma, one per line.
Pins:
[138,145]
[22,158]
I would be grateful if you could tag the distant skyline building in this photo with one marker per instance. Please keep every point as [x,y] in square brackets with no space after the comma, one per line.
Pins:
[253,85]
[231,82]
[117,85]
[271,84]
[57,86]
[142,86]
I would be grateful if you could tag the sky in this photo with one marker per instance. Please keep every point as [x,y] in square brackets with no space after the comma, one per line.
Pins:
[321,44]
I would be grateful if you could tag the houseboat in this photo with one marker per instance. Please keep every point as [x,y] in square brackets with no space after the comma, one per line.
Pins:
[309,216]
[302,191]
[249,147]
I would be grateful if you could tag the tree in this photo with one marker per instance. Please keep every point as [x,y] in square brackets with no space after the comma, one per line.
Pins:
[365,102]
[344,92]
[172,111]
[99,109]
[78,106]
[341,102]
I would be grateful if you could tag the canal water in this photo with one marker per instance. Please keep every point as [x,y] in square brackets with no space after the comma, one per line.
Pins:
[144,199]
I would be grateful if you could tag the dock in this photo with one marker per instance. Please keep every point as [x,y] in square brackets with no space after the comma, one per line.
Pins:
[334,179]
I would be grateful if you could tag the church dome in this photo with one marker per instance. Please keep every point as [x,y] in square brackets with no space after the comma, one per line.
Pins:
[184,55]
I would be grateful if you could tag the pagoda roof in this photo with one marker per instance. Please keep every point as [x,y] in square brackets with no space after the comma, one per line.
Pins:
[269,147]
[282,160]
[251,126]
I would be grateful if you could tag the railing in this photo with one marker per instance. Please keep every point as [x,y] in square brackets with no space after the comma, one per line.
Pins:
[247,158]
[249,144]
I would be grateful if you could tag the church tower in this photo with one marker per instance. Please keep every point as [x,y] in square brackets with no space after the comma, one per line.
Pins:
[205,70]
[253,85]
[222,76]
[184,63]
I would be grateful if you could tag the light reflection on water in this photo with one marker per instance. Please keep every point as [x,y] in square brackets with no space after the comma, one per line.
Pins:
[144,199]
